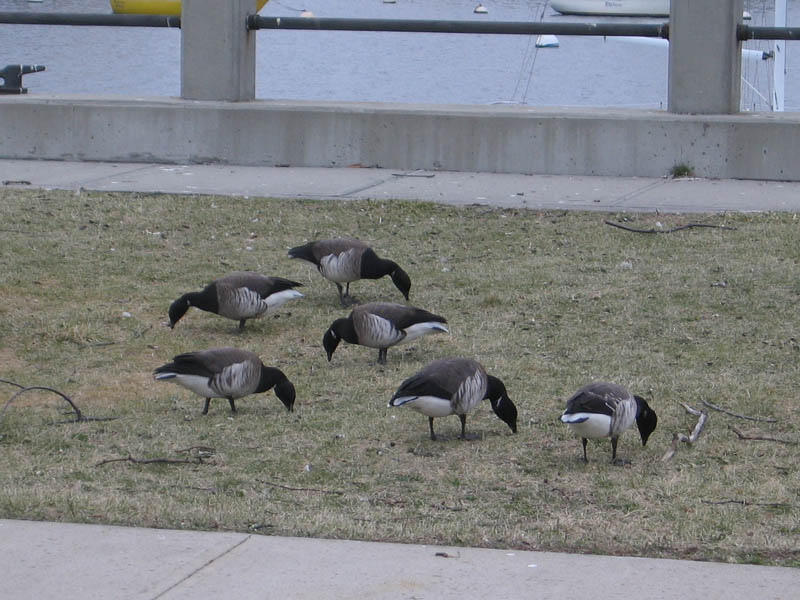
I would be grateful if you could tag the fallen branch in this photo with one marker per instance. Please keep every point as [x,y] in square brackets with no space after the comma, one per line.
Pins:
[299,489]
[761,438]
[738,416]
[747,503]
[673,230]
[692,437]
[150,461]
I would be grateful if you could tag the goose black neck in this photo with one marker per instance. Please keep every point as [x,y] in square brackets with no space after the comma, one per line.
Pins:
[374,267]
[345,329]
[205,300]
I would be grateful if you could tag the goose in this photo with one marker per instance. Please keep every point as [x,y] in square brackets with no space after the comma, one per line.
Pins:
[226,373]
[344,260]
[239,296]
[382,325]
[454,386]
[603,409]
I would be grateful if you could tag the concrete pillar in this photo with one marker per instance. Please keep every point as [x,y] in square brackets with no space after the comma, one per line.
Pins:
[218,53]
[704,56]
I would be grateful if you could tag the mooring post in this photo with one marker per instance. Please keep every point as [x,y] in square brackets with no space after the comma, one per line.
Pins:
[705,56]
[218,52]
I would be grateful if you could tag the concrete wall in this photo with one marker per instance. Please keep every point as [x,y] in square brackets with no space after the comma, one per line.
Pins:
[502,139]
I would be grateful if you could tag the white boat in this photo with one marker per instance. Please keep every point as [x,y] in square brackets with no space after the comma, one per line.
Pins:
[619,8]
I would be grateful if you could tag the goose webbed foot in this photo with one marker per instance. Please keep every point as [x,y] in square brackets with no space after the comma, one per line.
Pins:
[621,462]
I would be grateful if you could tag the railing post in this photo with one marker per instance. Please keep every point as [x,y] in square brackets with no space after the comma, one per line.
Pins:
[218,52]
[705,62]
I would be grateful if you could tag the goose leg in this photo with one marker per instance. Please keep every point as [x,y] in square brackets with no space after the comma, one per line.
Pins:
[233,406]
[583,441]
[382,356]
[430,426]
[614,460]
[205,408]
[241,324]
[463,426]
[342,296]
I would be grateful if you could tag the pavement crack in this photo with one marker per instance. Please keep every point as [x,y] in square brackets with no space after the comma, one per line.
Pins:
[200,568]
[358,190]
[639,191]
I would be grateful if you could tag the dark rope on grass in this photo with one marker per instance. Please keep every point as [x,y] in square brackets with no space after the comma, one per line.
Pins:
[78,415]
[673,230]
[738,416]
[299,489]
[748,503]
[152,461]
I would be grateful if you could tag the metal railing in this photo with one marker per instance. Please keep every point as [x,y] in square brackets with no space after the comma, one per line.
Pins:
[256,22]
[88,19]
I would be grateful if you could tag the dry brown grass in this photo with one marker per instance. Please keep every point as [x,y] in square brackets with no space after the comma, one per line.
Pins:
[547,301]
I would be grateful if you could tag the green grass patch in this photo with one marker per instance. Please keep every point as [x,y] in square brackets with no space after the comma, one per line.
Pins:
[546,300]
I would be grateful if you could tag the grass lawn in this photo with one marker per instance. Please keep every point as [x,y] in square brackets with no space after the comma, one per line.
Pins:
[547,301]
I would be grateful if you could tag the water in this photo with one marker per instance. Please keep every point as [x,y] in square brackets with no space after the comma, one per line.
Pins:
[380,67]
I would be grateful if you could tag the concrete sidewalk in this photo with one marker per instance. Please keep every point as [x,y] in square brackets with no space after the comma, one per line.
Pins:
[525,191]
[66,561]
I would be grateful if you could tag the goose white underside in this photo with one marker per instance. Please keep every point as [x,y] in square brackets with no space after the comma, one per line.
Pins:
[431,406]
[196,383]
[420,329]
[275,301]
[588,425]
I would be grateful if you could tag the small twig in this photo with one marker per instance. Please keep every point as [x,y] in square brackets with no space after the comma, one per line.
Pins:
[738,416]
[673,230]
[78,416]
[747,503]
[198,448]
[150,461]
[761,438]
[299,489]
[692,437]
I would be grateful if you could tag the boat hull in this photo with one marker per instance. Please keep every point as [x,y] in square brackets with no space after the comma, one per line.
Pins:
[619,8]
[170,8]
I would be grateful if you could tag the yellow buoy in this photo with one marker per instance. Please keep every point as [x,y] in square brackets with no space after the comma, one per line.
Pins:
[170,8]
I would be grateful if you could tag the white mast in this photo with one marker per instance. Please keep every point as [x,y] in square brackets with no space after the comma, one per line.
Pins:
[779,73]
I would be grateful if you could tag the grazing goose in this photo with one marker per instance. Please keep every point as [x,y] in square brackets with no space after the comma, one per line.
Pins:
[454,386]
[226,373]
[344,260]
[603,409]
[239,296]
[382,325]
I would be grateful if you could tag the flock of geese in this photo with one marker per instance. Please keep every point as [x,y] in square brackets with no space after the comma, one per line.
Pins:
[444,387]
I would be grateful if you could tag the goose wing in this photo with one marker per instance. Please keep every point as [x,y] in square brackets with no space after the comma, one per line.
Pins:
[598,398]
[261,284]
[373,329]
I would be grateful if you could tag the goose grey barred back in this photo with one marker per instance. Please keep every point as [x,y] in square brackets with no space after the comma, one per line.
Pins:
[603,409]
[226,373]
[239,296]
[454,386]
[344,260]
[382,325]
